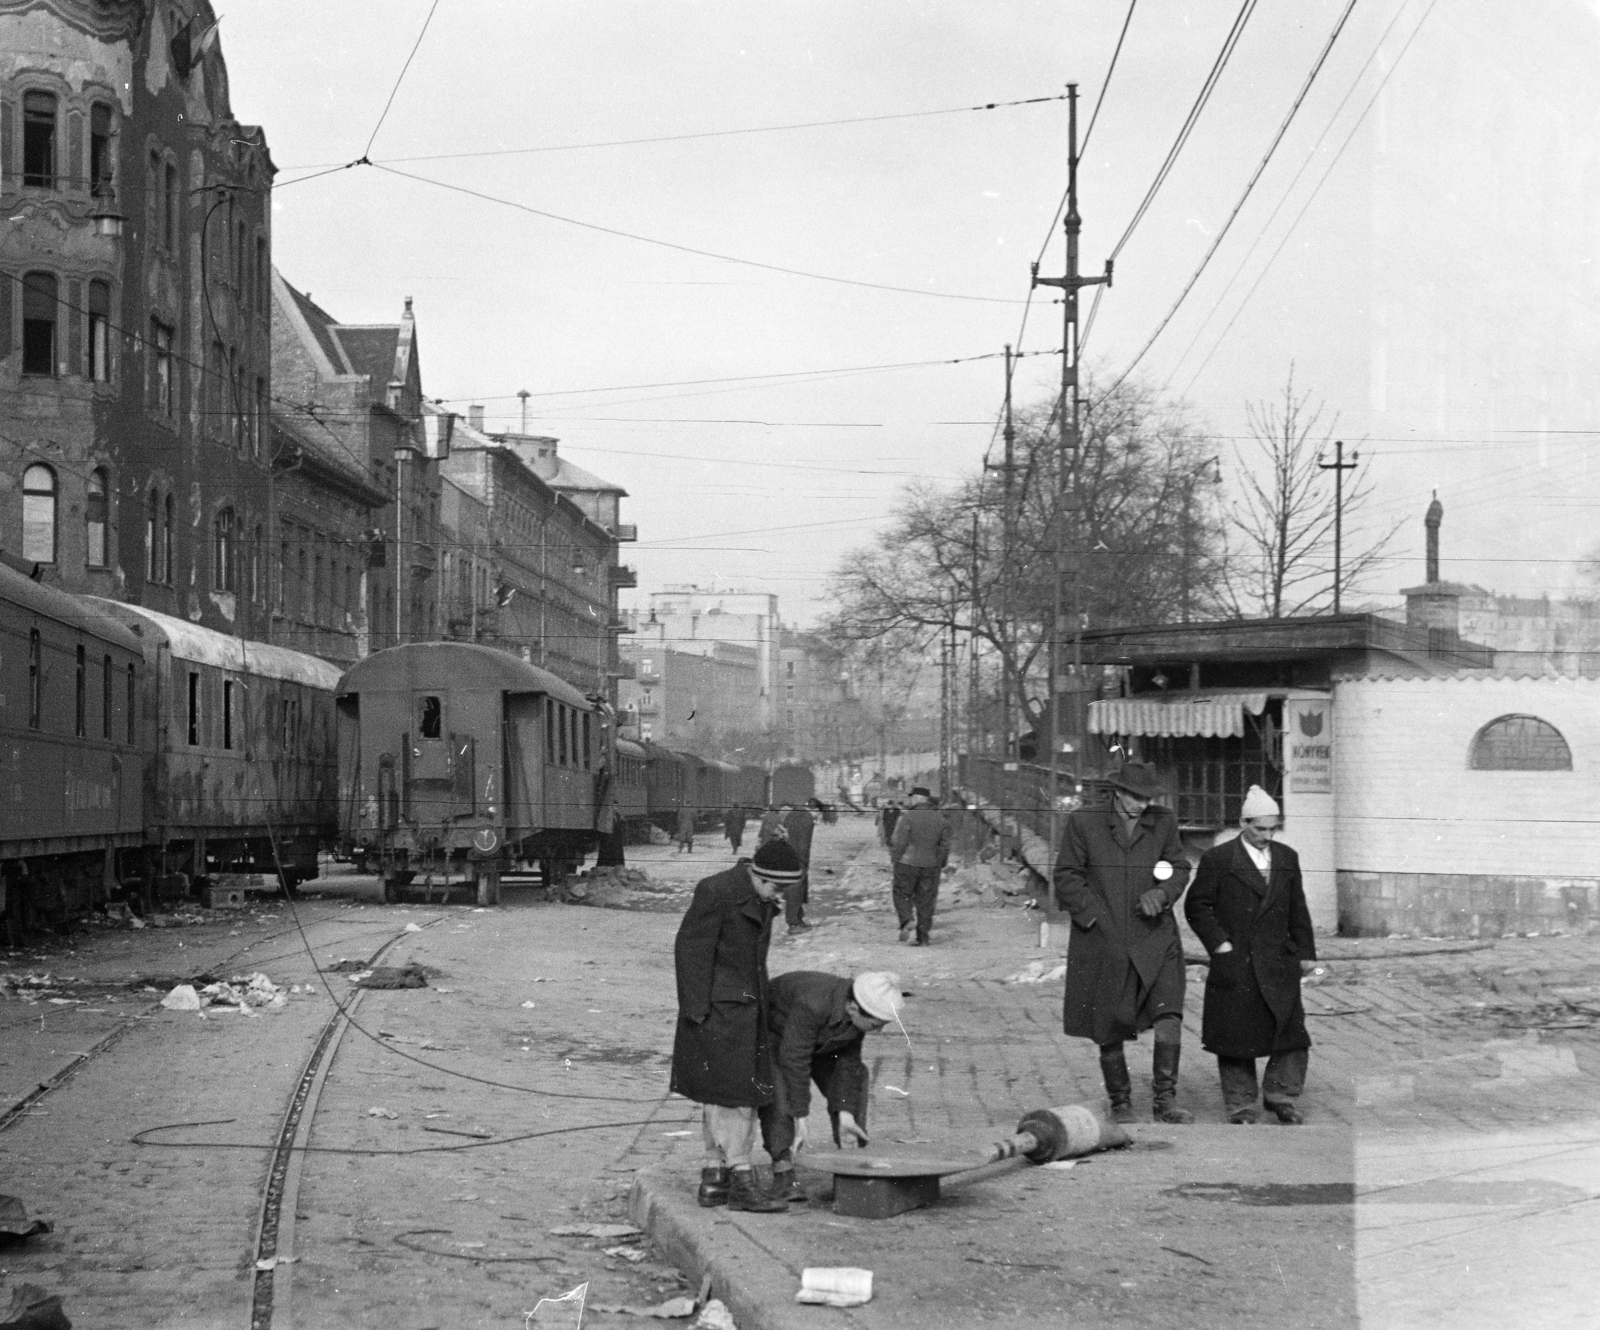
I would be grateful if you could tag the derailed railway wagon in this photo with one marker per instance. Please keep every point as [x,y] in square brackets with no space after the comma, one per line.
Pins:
[458,760]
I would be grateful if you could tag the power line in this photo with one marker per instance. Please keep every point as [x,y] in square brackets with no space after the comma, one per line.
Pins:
[1187,128]
[690,249]
[1100,97]
[416,46]
[1244,195]
[680,138]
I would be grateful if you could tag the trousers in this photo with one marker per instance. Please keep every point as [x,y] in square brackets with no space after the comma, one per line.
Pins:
[842,1078]
[1282,1082]
[916,889]
[729,1135]
[795,895]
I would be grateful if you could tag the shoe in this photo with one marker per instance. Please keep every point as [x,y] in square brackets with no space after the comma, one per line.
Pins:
[1287,1114]
[1244,1117]
[906,931]
[919,942]
[1164,1082]
[800,927]
[785,1188]
[744,1193]
[714,1186]
[1119,1088]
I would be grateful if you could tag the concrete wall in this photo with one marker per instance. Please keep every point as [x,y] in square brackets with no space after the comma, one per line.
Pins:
[1424,844]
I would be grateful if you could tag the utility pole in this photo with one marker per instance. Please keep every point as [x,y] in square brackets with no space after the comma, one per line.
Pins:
[1007,470]
[974,735]
[1338,466]
[944,711]
[1068,464]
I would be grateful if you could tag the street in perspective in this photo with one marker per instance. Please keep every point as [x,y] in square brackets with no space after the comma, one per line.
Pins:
[959,693]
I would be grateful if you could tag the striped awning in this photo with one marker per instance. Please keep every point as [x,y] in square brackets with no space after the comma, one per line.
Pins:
[1211,715]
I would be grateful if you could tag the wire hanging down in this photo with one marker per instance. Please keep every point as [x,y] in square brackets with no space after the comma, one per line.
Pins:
[416,46]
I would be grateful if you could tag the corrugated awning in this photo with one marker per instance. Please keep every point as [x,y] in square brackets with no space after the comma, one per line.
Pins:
[1215,715]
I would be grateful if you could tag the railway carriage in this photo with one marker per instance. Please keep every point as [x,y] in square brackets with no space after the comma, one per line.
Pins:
[71,751]
[240,774]
[458,759]
[630,790]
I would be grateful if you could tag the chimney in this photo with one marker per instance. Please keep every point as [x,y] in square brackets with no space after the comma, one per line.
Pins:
[1432,521]
[475,416]
[1435,605]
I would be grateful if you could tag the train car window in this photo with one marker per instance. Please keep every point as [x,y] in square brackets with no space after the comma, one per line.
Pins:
[430,718]
[133,692]
[194,707]
[105,698]
[585,749]
[561,726]
[572,720]
[80,695]
[35,680]
[227,713]
[550,732]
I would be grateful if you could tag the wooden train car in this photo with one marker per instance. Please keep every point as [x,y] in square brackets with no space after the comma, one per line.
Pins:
[749,787]
[458,758]
[793,783]
[629,788]
[71,751]
[241,770]
[667,785]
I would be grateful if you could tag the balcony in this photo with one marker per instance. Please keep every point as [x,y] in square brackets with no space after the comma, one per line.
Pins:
[625,532]
[622,576]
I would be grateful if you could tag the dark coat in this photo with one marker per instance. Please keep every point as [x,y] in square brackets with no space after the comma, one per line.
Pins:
[722,1053]
[1253,1004]
[1123,970]
[808,1023]
[733,824]
[801,826]
[771,827]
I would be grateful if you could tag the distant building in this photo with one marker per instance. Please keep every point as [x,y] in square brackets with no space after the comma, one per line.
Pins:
[707,702]
[695,619]
[819,716]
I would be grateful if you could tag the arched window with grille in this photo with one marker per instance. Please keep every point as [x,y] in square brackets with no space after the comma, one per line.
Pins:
[1520,743]
[223,571]
[39,514]
[95,518]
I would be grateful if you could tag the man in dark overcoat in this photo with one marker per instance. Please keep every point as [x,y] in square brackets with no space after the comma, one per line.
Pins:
[800,826]
[818,1022]
[721,1053]
[733,826]
[1248,906]
[918,853]
[1119,872]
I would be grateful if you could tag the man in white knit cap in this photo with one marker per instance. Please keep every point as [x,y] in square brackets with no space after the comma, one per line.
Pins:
[1248,906]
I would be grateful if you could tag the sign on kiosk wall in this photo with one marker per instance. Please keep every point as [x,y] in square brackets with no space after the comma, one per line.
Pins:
[1308,734]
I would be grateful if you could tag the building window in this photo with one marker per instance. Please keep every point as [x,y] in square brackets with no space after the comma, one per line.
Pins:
[39,323]
[223,568]
[1520,743]
[316,589]
[95,518]
[107,674]
[262,414]
[99,332]
[169,519]
[169,208]
[39,139]
[39,514]
[80,695]
[100,150]
[263,275]
[227,713]
[194,708]
[133,694]
[152,538]
[161,368]
[255,566]
[35,680]
[303,591]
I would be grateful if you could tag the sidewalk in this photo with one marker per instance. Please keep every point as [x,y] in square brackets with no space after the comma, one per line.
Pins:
[1450,1162]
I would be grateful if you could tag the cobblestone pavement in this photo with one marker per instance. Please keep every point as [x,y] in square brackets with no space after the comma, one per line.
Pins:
[1451,1083]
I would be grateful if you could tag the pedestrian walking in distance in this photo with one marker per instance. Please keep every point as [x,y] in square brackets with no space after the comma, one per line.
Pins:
[919,850]
[733,827]
[721,1051]
[1248,907]
[771,828]
[799,826]
[818,1022]
[685,829]
[886,820]
[1119,872]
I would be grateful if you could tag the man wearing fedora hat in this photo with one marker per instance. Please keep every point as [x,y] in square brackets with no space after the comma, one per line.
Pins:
[722,1052]
[919,849]
[1120,871]
[818,1022]
[1248,906]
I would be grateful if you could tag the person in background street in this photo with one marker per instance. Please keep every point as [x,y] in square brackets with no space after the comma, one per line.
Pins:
[721,1052]
[818,1022]
[1119,872]
[685,829]
[886,820]
[733,826]
[771,827]
[919,850]
[1248,907]
[800,826]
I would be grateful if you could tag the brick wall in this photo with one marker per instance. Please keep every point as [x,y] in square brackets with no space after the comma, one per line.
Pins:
[1425,844]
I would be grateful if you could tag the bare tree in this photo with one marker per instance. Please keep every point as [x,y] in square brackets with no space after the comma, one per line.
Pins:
[1285,516]
[1137,526]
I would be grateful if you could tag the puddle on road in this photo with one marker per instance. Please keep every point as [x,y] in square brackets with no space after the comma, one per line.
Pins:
[1268,1193]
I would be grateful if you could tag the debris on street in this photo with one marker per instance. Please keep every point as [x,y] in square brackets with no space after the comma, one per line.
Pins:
[597,1231]
[15,1226]
[837,1286]
[392,976]
[34,1309]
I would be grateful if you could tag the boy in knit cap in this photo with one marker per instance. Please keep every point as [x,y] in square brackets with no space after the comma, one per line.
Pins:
[1248,906]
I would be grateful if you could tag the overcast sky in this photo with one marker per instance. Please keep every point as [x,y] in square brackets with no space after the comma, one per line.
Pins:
[765,484]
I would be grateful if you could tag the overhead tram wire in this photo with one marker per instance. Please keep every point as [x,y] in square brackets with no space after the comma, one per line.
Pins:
[1250,184]
[416,46]
[1305,207]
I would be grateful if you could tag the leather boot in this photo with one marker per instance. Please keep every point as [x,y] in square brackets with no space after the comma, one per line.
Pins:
[1164,1082]
[745,1193]
[713,1186]
[785,1188]
[1119,1086]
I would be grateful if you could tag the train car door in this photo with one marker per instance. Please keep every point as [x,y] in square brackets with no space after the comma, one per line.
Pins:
[430,776]
[348,720]
[525,765]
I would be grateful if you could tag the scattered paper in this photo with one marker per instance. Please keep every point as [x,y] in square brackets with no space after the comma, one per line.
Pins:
[273,1262]
[634,1254]
[677,1133]
[182,998]
[528,1003]
[1062,1163]
[839,1286]
[413,928]
[714,1316]
[895,1089]
[381,1113]
[597,1231]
